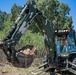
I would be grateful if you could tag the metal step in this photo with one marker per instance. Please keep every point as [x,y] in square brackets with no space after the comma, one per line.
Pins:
[72,71]
[41,71]
[72,64]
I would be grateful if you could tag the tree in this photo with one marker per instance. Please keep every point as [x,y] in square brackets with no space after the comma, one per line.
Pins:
[15,10]
[56,12]
[63,20]
[2,18]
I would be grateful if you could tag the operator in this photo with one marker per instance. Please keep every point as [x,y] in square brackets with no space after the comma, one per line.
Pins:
[63,43]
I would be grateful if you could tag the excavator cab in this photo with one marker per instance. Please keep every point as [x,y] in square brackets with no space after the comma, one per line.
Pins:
[61,41]
[65,41]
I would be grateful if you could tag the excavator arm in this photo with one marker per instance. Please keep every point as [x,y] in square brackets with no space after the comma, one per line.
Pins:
[29,13]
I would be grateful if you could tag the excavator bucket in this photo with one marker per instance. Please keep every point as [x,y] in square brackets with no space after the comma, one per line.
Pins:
[25,56]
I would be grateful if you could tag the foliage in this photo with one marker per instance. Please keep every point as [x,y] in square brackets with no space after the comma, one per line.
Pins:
[2,18]
[15,10]
[35,39]
[56,12]
[63,20]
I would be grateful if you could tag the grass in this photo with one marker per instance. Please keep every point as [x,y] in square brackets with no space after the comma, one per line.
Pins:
[7,69]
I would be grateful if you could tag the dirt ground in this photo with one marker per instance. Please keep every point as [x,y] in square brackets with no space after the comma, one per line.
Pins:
[7,68]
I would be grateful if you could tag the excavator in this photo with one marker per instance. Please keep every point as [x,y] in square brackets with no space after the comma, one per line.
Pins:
[58,59]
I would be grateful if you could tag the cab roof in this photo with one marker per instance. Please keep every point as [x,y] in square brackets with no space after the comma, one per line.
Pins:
[61,32]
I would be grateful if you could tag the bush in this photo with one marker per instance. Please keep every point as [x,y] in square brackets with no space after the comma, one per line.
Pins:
[35,39]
